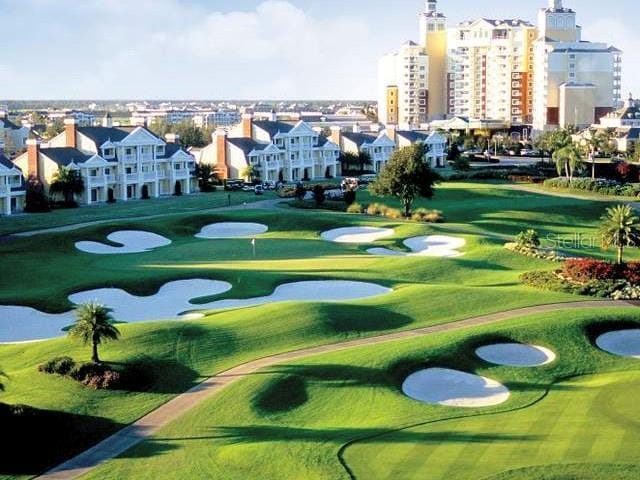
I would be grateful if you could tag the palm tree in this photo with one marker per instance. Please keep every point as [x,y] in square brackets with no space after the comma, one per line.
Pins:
[67,182]
[568,159]
[602,141]
[250,172]
[620,228]
[364,159]
[206,176]
[94,324]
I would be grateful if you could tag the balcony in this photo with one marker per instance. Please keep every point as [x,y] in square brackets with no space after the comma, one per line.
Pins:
[5,189]
[131,178]
[161,174]
[149,176]
[181,174]
[147,157]
[130,159]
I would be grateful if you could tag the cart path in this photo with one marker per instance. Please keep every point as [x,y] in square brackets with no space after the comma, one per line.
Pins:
[148,425]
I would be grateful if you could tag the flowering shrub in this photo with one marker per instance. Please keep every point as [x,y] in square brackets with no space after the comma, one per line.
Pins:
[585,270]
[631,273]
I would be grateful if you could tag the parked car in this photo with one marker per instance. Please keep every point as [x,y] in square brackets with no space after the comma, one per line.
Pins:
[367,178]
[234,185]
[258,189]
[248,187]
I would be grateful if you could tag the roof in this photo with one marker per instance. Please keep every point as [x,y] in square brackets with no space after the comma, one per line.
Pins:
[247,145]
[64,156]
[633,134]
[100,135]
[359,138]
[413,135]
[5,162]
[273,128]
[9,124]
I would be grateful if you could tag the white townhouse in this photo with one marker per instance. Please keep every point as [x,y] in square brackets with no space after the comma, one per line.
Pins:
[379,146]
[12,189]
[435,152]
[277,151]
[115,162]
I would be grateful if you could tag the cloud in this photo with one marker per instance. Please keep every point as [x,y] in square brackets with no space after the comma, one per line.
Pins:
[178,49]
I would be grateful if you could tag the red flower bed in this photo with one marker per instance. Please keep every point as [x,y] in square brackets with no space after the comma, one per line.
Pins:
[631,273]
[588,269]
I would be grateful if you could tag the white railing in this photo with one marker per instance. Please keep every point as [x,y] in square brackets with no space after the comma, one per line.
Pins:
[4,189]
[147,157]
[149,176]
[162,175]
[130,159]
[132,177]
[110,178]
[182,173]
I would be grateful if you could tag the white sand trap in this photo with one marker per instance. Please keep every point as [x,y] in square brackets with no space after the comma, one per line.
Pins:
[516,355]
[625,343]
[313,291]
[428,246]
[132,241]
[20,324]
[452,388]
[357,234]
[231,230]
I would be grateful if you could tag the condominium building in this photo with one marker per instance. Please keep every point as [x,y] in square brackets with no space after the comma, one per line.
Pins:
[411,80]
[379,146]
[623,123]
[12,189]
[13,137]
[114,162]
[576,81]
[507,71]
[435,145]
[490,70]
[276,151]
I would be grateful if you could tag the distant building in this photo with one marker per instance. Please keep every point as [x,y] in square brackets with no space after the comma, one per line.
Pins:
[82,119]
[623,123]
[379,146]
[435,145]
[115,162]
[13,137]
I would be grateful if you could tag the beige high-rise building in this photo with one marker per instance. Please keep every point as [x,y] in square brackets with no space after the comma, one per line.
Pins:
[412,80]
[576,82]
[490,70]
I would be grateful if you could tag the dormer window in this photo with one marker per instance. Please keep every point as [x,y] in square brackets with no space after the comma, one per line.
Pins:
[108,152]
[160,150]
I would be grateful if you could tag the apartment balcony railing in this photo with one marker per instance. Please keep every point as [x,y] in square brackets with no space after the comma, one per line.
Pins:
[101,179]
[149,176]
[161,174]
[130,159]
[180,174]
[147,157]
[131,178]
[5,189]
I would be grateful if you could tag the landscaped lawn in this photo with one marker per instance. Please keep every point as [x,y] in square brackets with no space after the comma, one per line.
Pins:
[573,419]
[42,271]
[131,209]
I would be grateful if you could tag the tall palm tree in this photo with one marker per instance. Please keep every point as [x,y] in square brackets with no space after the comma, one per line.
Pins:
[250,173]
[620,228]
[602,141]
[206,176]
[94,324]
[568,159]
[68,183]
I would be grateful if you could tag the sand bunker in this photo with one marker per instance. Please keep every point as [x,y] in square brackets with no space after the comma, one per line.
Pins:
[231,230]
[625,343]
[357,234]
[516,355]
[313,291]
[20,324]
[131,241]
[428,246]
[452,388]
[172,302]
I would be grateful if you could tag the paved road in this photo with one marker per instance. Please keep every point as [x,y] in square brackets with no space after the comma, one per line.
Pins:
[172,410]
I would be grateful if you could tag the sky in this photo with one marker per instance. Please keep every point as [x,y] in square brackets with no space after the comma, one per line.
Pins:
[243,49]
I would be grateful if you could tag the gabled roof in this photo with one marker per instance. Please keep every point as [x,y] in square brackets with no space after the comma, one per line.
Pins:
[5,162]
[273,128]
[8,124]
[65,156]
[247,145]
[101,135]
[413,136]
[359,138]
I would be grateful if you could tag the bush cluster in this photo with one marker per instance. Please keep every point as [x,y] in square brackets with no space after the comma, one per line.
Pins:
[94,375]
[600,186]
[427,216]
[553,282]
[382,210]
[586,270]
[355,208]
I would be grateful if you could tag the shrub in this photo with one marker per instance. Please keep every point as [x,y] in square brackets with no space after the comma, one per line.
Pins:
[461,164]
[528,239]
[427,216]
[626,172]
[108,380]
[393,213]
[58,366]
[631,273]
[600,186]
[319,195]
[355,208]
[350,197]
[376,209]
[586,270]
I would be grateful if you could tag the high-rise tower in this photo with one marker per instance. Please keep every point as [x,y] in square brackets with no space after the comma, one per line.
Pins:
[433,38]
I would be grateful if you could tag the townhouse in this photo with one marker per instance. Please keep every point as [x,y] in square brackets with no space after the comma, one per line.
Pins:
[114,162]
[12,188]
[275,151]
[12,136]
[378,146]
[435,145]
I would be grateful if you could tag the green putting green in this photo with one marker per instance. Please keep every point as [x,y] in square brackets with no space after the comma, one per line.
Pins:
[42,271]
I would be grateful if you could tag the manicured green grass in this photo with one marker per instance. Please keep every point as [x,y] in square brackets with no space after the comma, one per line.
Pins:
[131,209]
[427,291]
[297,420]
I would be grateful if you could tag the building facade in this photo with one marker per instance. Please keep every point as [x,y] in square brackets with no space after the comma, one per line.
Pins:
[114,162]
[274,151]
[379,146]
[13,137]
[576,82]
[12,188]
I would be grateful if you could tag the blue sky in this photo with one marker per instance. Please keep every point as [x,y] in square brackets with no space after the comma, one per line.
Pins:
[242,49]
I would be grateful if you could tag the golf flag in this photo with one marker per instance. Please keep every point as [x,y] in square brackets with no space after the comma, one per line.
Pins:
[253,242]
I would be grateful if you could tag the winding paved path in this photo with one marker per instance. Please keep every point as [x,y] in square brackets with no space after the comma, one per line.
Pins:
[148,425]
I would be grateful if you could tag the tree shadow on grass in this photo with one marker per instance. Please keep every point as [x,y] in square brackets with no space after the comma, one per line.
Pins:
[36,440]
[268,433]
[595,329]
[343,318]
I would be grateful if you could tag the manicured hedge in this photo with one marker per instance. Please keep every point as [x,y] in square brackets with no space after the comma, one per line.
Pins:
[600,186]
